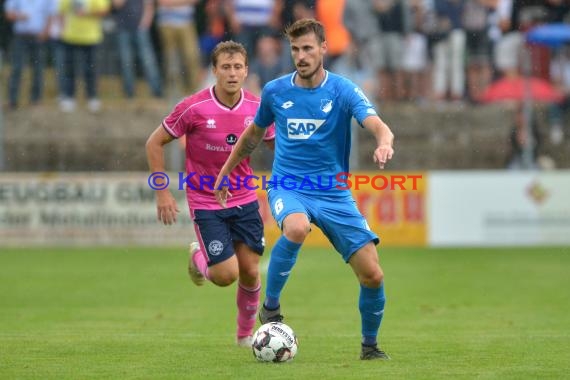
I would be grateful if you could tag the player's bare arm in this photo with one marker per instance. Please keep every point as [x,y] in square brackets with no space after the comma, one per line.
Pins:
[166,207]
[384,140]
[270,144]
[245,145]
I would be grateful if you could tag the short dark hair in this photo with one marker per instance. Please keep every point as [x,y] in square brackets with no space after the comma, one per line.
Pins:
[229,47]
[305,26]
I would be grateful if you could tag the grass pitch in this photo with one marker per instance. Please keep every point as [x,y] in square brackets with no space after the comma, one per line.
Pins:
[133,313]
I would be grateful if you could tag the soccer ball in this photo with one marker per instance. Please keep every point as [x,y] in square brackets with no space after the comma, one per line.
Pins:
[274,342]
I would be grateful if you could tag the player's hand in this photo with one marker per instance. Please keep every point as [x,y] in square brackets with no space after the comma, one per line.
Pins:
[221,192]
[382,154]
[166,207]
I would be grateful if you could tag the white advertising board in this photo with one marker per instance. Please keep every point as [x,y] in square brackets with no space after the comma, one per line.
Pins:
[488,208]
[86,209]
[499,208]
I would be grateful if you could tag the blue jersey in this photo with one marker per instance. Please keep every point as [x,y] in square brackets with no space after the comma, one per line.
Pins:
[312,130]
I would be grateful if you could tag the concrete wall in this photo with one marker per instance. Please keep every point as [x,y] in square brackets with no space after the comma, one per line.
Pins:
[457,137]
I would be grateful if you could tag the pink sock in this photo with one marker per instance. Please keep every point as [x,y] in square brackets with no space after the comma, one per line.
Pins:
[247,303]
[201,263]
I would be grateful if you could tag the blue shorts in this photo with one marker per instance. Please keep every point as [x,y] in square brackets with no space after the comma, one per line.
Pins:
[338,218]
[217,230]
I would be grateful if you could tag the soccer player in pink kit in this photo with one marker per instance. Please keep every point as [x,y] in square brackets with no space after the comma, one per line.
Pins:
[230,240]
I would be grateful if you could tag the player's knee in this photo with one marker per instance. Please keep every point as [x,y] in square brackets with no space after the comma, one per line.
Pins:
[297,232]
[223,276]
[372,279]
[224,279]
[249,276]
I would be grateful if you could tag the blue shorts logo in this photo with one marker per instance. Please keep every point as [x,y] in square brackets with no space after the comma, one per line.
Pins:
[215,247]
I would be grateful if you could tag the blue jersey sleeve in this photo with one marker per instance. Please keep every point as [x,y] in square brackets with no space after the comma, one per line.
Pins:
[265,116]
[357,102]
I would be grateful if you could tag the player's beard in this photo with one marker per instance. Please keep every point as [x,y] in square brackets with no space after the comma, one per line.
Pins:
[312,73]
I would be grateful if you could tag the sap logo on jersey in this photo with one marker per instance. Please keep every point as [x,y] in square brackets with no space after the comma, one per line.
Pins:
[302,129]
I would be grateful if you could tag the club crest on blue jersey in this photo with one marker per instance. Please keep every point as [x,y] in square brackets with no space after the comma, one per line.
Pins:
[302,129]
[326,105]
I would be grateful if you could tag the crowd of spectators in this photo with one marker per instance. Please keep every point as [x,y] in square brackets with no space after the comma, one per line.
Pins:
[443,51]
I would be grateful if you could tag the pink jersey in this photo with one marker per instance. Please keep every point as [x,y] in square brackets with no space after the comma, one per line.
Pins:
[211,130]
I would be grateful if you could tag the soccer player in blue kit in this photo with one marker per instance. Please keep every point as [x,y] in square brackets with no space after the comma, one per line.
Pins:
[312,109]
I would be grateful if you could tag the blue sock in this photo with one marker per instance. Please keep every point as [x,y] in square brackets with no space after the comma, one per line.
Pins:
[283,258]
[371,305]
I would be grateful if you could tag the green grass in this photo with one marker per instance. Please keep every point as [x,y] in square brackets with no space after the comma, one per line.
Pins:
[133,314]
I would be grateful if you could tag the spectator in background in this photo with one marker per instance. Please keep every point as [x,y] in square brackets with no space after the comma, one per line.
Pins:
[266,65]
[475,22]
[395,23]
[213,28]
[5,30]
[330,13]
[415,55]
[515,17]
[293,10]
[507,48]
[536,60]
[56,46]
[560,71]
[134,18]
[180,47]
[360,63]
[82,33]
[30,25]
[494,32]
[559,11]
[251,19]
[449,51]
